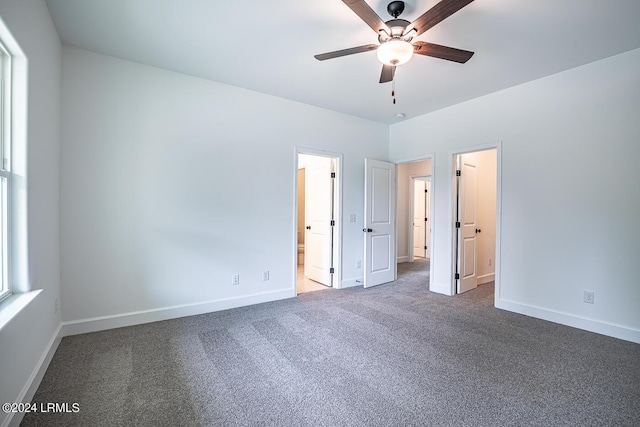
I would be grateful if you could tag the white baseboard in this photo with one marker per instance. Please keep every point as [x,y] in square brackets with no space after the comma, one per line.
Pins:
[349,283]
[486,278]
[402,259]
[29,390]
[599,327]
[102,323]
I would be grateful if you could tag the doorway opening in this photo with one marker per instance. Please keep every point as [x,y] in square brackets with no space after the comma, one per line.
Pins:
[317,221]
[414,219]
[476,196]
[420,247]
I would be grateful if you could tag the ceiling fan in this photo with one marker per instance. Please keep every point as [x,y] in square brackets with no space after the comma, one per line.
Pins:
[395,35]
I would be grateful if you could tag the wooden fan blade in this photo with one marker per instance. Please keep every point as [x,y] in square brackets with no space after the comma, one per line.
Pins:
[344,52]
[362,9]
[387,73]
[442,52]
[436,14]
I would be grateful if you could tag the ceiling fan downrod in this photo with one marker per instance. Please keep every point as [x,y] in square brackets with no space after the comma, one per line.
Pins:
[395,8]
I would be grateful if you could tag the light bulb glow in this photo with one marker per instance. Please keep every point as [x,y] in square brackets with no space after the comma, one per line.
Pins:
[395,52]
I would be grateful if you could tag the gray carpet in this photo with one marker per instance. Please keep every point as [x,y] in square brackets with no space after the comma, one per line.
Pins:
[393,355]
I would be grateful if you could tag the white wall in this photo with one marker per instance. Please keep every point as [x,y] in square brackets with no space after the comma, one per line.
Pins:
[404,217]
[168,182]
[485,162]
[570,195]
[25,340]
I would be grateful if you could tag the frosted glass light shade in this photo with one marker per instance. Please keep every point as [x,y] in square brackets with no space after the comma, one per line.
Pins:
[395,52]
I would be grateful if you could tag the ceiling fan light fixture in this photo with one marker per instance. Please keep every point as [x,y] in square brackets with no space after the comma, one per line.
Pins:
[395,52]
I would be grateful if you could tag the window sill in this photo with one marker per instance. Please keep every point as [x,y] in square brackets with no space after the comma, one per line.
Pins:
[10,307]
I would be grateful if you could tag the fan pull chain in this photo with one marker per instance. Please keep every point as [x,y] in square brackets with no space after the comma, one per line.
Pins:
[393,89]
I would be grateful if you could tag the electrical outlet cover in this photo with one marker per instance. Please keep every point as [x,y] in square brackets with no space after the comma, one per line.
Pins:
[589,297]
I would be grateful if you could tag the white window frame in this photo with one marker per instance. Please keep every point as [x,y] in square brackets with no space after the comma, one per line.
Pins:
[5,172]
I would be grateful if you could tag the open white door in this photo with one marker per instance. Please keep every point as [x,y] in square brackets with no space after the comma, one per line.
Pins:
[379,222]
[467,221]
[419,218]
[318,215]
[427,221]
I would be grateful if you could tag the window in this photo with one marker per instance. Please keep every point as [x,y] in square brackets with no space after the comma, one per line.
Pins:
[5,169]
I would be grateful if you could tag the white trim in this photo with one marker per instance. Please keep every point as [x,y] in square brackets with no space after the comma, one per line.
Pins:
[349,283]
[337,247]
[587,324]
[409,217]
[14,304]
[16,130]
[33,382]
[402,259]
[13,88]
[486,278]
[6,149]
[452,173]
[414,159]
[498,256]
[432,220]
[102,323]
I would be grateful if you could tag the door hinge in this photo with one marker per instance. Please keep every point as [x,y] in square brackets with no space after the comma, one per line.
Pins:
[333,223]
[332,270]
[426,219]
[426,191]
[333,174]
[425,247]
[458,172]
[457,276]
[457,224]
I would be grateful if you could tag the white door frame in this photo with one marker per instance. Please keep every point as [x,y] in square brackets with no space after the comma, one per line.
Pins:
[412,180]
[337,246]
[432,157]
[452,208]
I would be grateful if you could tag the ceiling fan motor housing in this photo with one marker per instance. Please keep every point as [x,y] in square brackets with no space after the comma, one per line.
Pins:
[396,26]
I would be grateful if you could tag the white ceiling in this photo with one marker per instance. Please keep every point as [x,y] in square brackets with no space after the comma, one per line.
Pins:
[268,46]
